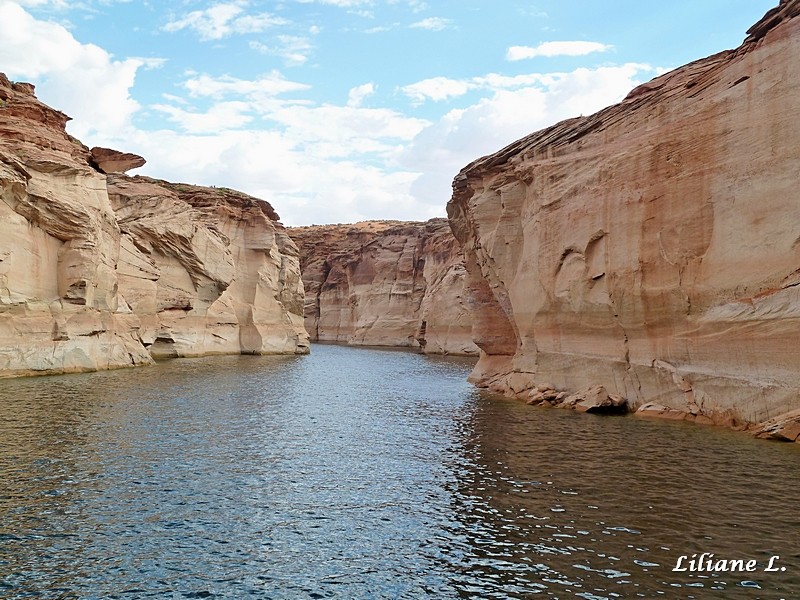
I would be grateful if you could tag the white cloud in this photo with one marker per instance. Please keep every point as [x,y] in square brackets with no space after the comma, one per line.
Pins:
[382,28]
[314,162]
[224,19]
[339,3]
[357,94]
[495,121]
[432,24]
[269,84]
[303,186]
[174,98]
[220,117]
[295,50]
[36,3]
[83,80]
[549,49]
[347,126]
[436,89]
[444,88]
[494,81]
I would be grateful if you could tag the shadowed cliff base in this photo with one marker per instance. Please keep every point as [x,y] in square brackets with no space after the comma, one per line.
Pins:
[105,271]
[651,248]
[385,283]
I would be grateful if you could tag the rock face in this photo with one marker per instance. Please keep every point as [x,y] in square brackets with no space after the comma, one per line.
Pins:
[651,248]
[112,161]
[207,270]
[100,272]
[385,283]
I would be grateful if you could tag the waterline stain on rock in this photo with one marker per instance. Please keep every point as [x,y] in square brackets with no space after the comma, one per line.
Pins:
[648,248]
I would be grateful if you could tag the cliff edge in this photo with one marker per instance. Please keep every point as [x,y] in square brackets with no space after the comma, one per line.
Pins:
[103,271]
[652,248]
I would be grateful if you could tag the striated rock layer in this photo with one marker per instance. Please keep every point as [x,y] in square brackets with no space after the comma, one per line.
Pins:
[385,283]
[207,270]
[652,248]
[101,271]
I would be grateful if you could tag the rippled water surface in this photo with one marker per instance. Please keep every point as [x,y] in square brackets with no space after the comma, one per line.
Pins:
[359,473]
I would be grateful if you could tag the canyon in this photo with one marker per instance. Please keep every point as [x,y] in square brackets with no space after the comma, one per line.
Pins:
[99,270]
[386,283]
[650,249]
[644,258]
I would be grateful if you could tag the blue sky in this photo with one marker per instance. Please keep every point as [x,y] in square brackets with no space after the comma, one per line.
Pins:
[341,110]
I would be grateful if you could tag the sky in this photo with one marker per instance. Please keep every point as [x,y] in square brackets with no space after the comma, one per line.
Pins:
[337,111]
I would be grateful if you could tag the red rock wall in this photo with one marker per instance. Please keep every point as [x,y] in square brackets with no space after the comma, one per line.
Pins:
[385,283]
[100,272]
[651,248]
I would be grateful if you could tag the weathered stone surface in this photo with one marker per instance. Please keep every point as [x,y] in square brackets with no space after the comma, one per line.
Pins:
[597,400]
[59,245]
[113,161]
[785,428]
[85,285]
[651,248]
[594,399]
[385,283]
[208,270]
[653,410]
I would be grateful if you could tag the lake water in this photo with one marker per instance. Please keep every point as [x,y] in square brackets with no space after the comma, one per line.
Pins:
[363,473]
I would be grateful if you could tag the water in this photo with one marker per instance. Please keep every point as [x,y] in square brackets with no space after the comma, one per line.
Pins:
[357,473]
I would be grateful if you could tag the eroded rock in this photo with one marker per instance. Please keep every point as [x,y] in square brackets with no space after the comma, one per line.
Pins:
[385,283]
[88,284]
[648,248]
[785,428]
[113,161]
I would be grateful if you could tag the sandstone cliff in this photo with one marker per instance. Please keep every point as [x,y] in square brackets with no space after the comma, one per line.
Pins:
[104,271]
[385,283]
[652,248]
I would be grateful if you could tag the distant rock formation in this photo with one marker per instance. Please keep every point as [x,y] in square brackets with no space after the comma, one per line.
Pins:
[99,271]
[385,283]
[652,248]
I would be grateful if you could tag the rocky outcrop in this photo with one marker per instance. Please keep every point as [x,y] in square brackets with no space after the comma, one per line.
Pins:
[385,283]
[594,399]
[207,270]
[98,272]
[651,248]
[112,161]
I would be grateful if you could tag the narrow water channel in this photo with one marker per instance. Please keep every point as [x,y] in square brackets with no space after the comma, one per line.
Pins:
[363,473]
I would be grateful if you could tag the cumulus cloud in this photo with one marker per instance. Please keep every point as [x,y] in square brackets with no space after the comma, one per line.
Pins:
[315,162]
[432,24]
[327,163]
[220,117]
[357,94]
[549,49]
[436,89]
[224,19]
[304,186]
[491,123]
[346,126]
[47,54]
[444,88]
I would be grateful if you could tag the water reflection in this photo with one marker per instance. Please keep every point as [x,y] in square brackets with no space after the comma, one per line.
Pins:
[582,506]
[359,473]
